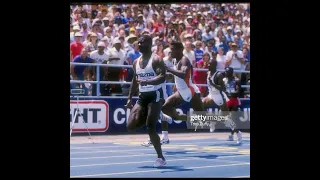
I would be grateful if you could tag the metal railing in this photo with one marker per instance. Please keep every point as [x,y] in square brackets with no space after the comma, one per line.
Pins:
[98,82]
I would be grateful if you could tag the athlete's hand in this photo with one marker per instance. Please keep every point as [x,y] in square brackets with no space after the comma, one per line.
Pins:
[129,104]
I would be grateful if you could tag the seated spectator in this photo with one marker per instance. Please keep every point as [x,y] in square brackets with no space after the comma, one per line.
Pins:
[91,42]
[76,47]
[159,51]
[75,29]
[198,52]
[81,72]
[189,53]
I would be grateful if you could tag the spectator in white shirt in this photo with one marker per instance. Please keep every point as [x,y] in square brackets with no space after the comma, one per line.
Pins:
[221,59]
[117,57]
[100,57]
[189,53]
[235,58]
[168,61]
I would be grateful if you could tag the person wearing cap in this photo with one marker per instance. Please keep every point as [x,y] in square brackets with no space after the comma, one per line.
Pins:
[117,57]
[106,22]
[84,31]
[240,39]
[229,35]
[108,33]
[76,46]
[81,72]
[100,57]
[189,53]
[235,58]
[107,43]
[129,46]
[75,29]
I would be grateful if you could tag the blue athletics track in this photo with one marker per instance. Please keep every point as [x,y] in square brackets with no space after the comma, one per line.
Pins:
[187,155]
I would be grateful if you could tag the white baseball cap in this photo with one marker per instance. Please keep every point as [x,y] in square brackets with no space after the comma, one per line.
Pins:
[101,44]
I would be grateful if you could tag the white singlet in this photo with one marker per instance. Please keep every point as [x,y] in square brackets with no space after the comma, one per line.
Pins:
[216,95]
[145,74]
[185,86]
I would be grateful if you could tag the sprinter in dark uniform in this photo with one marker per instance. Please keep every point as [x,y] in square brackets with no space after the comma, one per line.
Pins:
[149,73]
[232,85]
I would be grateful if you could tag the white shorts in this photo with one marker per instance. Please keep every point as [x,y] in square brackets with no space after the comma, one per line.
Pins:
[218,98]
[187,94]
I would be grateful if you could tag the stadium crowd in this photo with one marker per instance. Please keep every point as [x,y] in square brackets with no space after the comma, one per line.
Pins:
[108,34]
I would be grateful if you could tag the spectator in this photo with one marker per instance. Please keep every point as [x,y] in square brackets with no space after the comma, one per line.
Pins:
[221,59]
[76,47]
[235,58]
[84,31]
[81,72]
[91,42]
[198,52]
[116,57]
[168,61]
[72,34]
[108,33]
[199,77]
[100,57]
[159,50]
[189,53]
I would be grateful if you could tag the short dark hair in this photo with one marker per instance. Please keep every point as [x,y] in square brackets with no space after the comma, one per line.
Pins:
[177,44]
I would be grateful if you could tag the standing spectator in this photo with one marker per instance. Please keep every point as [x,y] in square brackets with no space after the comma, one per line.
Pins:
[199,77]
[100,57]
[221,59]
[168,61]
[235,58]
[76,47]
[189,53]
[117,57]
[81,72]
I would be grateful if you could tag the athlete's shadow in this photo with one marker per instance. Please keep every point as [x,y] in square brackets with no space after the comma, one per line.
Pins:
[174,168]
[176,152]
[210,156]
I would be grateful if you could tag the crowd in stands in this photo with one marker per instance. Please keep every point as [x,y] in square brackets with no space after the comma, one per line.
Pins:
[108,33]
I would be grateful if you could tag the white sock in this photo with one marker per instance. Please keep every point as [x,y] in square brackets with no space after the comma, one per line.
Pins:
[165,135]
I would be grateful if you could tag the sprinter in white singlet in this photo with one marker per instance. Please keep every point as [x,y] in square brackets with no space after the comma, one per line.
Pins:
[149,73]
[186,90]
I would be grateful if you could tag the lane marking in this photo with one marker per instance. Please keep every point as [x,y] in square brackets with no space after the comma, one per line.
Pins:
[157,170]
[182,159]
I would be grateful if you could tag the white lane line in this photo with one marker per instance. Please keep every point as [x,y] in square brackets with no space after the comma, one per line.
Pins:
[138,162]
[157,170]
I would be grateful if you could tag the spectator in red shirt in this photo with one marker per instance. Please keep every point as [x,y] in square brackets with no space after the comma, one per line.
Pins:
[199,77]
[76,46]
[159,51]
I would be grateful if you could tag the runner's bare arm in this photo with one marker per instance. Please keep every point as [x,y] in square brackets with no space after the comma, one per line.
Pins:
[158,65]
[134,82]
[185,67]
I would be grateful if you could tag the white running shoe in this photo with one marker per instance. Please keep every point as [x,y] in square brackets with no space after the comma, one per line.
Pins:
[160,162]
[164,117]
[164,141]
[212,126]
[230,138]
[147,143]
[239,136]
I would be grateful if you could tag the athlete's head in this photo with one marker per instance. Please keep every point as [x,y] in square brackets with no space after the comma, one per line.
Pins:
[145,44]
[229,72]
[176,49]
[212,65]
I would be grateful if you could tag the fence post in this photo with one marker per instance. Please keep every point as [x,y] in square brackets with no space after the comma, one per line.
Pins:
[98,79]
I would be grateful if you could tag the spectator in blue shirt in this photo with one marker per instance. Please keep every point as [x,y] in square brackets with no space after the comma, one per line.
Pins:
[198,52]
[224,45]
[131,57]
[81,72]
[229,35]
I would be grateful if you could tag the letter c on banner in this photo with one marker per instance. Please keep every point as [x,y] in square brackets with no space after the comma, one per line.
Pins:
[115,116]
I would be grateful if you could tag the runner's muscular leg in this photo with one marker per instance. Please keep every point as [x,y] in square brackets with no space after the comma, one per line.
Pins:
[137,117]
[169,107]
